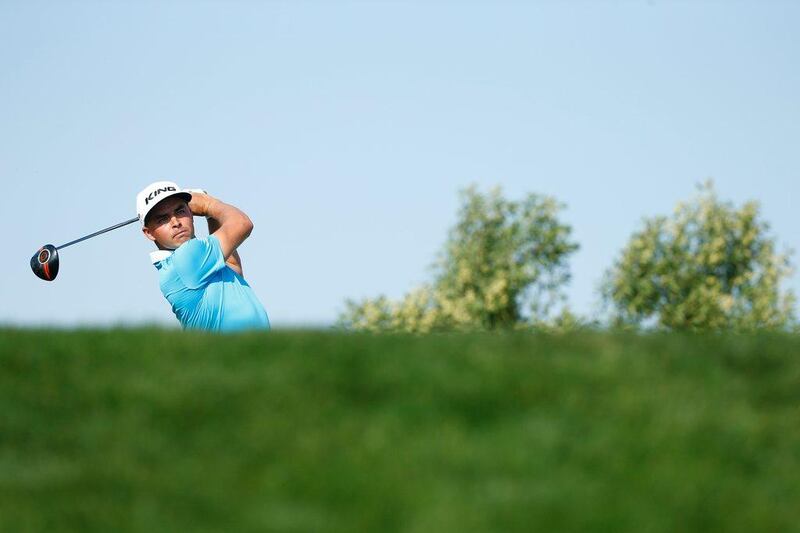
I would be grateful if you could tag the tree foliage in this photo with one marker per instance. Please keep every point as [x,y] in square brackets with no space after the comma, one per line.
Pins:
[710,266]
[503,265]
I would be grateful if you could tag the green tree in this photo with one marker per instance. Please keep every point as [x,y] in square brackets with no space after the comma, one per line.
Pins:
[710,266]
[503,265]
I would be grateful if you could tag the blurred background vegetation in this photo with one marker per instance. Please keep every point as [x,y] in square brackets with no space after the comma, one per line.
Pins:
[710,266]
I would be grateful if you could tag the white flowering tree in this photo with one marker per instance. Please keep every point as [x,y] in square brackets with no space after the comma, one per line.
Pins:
[710,266]
[503,265]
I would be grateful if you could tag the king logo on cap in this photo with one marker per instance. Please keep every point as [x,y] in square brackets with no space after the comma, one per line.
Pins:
[156,192]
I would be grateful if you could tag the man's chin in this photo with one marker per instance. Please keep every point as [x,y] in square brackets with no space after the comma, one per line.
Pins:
[177,241]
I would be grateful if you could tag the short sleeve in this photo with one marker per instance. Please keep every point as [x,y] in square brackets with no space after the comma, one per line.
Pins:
[197,260]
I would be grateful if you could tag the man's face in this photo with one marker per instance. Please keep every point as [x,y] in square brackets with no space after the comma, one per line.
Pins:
[169,223]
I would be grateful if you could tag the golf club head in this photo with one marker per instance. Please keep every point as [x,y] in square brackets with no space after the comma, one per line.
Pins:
[44,262]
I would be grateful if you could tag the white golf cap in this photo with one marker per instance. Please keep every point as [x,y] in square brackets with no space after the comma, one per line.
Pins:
[154,193]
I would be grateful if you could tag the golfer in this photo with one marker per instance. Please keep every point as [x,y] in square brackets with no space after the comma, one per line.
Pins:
[201,278]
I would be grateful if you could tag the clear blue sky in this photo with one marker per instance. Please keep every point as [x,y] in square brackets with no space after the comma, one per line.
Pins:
[346,129]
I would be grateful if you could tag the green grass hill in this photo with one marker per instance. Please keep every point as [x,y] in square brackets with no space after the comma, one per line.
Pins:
[148,430]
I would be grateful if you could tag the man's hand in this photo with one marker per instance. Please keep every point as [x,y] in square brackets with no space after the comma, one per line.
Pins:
[199,203]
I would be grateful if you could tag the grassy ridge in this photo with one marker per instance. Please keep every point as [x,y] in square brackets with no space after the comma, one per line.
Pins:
[148,430]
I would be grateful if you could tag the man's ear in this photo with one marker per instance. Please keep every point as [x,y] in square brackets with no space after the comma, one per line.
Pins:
[148,233]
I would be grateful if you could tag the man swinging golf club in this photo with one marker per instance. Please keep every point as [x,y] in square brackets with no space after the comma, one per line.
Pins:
[201,278]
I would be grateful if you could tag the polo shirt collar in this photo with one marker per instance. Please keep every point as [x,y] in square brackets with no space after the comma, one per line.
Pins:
[160,255]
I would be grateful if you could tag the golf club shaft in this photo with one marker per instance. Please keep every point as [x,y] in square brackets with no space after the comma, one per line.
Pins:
[115,226]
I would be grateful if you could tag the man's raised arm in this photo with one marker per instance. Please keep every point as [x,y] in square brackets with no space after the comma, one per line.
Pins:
[227,223]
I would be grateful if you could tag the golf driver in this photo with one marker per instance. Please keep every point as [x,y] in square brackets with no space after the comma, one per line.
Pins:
[44,262]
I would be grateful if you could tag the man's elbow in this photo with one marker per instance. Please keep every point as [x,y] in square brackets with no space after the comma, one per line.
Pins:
[247,226]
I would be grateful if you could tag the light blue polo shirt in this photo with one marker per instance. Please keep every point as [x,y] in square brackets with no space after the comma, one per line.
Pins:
[204,292]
